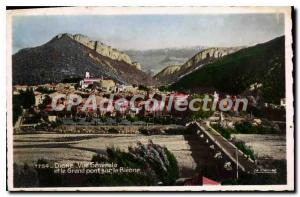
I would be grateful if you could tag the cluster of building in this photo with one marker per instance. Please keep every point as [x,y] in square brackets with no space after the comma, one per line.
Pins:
[104,85]
[120,106]
[102,89]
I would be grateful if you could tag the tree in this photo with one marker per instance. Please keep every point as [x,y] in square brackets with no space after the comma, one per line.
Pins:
[17,109]
[27,98]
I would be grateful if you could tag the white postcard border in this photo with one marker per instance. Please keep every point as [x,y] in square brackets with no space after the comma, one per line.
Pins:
[166,11]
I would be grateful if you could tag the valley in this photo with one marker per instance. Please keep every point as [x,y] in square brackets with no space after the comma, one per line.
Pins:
[60,88]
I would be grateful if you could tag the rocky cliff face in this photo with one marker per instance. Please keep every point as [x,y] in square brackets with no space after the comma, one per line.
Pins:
[167,72]
[137,65]
[209,55]
[235,74]
[67,56]
[100,48]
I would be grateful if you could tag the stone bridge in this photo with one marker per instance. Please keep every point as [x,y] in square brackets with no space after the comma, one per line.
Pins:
[222,147]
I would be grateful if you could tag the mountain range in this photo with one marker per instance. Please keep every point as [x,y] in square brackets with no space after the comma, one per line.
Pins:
[175,72]
[235,73]
[154,60]
[70,56]
[227,69]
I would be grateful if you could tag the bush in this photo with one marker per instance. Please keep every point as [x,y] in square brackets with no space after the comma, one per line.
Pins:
[225,132]
[25,176]
[145,131]
[132,118]
[33,119]
[245,127]
[44,90]
[56,123]
[245,149]
[46,176]
[27,98]
[248,128]
[113,131]
[164,88]
[17,109]
[144,88]
[157,164]
[173,170]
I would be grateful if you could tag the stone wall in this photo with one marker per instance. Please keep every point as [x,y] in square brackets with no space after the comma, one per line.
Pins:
[121,129]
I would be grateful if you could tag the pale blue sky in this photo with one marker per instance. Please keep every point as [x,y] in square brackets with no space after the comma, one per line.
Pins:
[151,31]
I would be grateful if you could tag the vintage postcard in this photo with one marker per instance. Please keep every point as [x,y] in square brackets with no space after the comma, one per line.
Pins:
[150,99]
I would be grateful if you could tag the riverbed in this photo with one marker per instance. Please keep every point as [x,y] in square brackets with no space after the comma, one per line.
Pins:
[265,145]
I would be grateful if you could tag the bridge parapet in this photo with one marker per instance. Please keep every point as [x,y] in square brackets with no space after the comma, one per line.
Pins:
[212,137]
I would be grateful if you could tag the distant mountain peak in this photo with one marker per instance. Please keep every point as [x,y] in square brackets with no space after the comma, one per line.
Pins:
[99,47]
[70,56]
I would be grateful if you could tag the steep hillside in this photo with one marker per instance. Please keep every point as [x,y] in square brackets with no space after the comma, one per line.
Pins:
[70,56]
[203,57]
[262,64]
[167,72]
